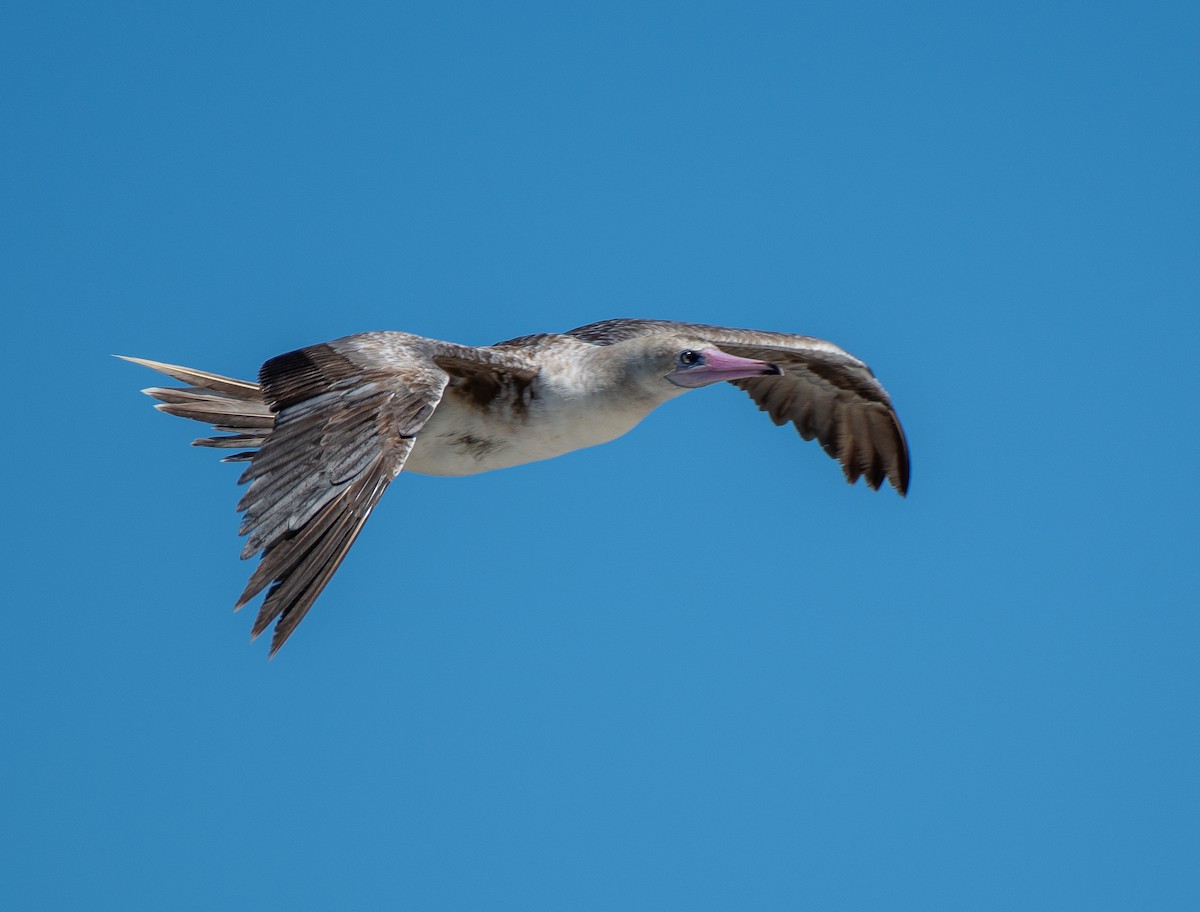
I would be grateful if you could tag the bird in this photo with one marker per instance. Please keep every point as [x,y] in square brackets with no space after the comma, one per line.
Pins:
[326,428]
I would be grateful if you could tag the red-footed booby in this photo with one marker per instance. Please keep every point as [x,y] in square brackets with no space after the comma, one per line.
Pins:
[327,428]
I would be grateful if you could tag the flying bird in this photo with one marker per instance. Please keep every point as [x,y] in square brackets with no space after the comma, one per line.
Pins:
[328,427]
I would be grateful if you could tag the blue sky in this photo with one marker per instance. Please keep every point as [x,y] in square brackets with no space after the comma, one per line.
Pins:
[691,669]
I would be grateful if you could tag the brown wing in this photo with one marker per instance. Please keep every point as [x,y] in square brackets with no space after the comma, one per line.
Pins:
[824,391]
[325,430]
[482,374]
[343,429]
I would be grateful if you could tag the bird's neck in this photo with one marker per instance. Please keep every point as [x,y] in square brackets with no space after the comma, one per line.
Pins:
[605,377]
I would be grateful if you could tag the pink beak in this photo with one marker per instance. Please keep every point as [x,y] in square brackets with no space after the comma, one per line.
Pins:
[718,366]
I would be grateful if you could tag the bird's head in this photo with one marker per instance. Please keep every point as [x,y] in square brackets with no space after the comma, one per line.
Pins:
[668,365]
[701,365]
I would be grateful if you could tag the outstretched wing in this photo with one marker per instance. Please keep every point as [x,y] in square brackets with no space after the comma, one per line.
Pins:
[325,430]
[824,391]
[343,429]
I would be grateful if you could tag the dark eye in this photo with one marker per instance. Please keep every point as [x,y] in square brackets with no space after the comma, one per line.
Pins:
[688,358]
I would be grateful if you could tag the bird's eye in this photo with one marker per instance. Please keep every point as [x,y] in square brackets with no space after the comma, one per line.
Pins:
[689,358]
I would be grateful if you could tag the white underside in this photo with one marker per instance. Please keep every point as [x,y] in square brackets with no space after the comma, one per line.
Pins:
[460,439]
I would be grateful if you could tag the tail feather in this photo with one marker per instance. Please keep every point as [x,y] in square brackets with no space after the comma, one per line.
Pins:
[240,389]
[233,407]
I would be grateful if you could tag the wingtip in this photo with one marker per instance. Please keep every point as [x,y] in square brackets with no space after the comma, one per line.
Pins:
[255,634]
[278,638]
[901,483]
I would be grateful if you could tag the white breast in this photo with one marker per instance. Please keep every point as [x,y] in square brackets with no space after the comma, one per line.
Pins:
[464,439]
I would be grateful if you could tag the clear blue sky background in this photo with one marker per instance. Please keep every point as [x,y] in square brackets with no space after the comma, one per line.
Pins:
[689,670]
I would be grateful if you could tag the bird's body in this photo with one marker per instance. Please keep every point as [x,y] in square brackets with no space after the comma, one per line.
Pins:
[328,427]
[568,405]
